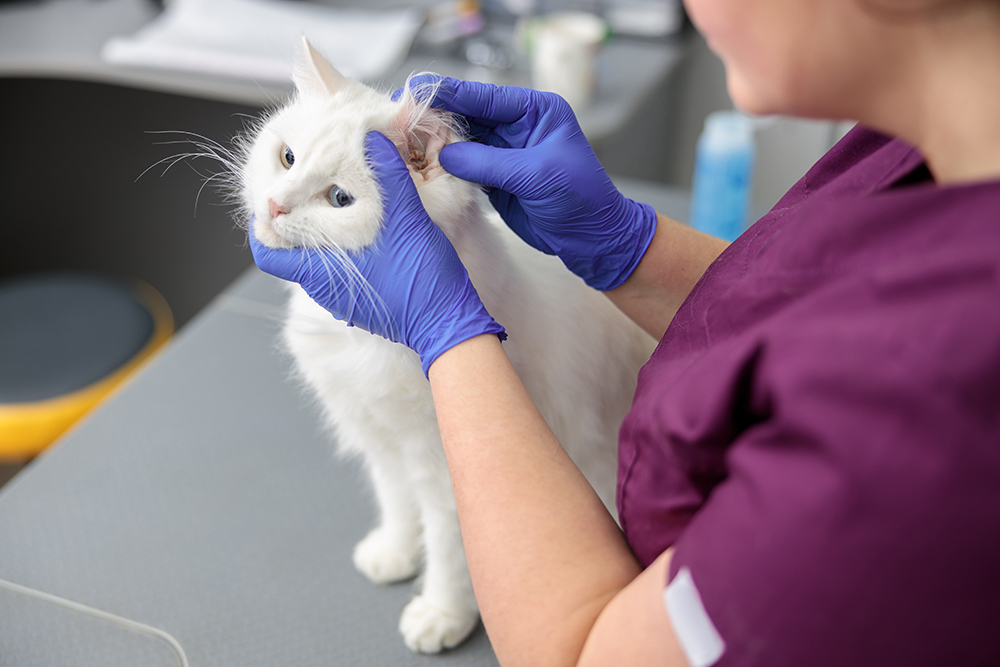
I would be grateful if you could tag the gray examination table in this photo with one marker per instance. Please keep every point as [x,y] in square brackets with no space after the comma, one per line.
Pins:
[203,500]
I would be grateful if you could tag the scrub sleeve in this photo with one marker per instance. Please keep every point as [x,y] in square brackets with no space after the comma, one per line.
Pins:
[818,432]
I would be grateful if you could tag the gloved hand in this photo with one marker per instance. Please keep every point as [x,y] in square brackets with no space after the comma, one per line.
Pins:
[420,293]
[545,180]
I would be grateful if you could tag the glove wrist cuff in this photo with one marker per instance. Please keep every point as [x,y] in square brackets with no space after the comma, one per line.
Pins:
[625,250]
[467,319]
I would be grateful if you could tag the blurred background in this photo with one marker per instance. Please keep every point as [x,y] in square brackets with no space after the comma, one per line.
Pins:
[98,93]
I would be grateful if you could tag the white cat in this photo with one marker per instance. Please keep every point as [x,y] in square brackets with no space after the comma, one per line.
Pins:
[307,183]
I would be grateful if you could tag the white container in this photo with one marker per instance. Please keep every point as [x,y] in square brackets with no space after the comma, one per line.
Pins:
[564,49]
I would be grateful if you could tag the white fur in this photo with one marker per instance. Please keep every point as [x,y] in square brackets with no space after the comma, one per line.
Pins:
[576,353]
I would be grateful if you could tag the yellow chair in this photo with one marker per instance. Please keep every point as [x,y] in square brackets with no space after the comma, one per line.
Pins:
[67,340]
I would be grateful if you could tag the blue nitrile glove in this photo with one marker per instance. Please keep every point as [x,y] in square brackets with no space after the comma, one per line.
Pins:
[425,299]
[545,180]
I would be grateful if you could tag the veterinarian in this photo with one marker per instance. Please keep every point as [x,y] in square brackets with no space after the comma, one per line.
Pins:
[810,473]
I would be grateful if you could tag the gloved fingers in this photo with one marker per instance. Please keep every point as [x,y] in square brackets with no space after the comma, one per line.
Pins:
[547,117]
[485,135]
[421,82]
[284,263]
[384,157]
[408,232]
[512,213]
[482,103]
[391,172]
[540,117]
[306,266]
[328,276]
[500,116]
[478,163]
[430,85]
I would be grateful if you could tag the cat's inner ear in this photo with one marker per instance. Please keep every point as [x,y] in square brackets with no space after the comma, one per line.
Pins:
[420,132]
[313,75]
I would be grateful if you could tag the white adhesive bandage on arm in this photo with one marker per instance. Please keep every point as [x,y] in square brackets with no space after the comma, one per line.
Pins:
[698,637]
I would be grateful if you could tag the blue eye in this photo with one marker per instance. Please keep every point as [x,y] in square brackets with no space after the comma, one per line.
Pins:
[287,157]
[340,198]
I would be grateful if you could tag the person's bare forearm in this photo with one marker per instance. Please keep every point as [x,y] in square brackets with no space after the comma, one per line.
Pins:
[551,569]
[676,259]
[545,555]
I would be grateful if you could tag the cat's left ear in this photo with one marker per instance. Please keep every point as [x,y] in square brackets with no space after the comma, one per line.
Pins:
[313,75]
[419,130]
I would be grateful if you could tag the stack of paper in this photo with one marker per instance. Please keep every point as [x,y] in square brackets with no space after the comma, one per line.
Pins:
[255,39]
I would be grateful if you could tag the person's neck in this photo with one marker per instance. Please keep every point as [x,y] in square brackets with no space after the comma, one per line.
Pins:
[950,106]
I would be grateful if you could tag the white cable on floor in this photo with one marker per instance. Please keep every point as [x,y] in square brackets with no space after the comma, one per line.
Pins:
[103,615]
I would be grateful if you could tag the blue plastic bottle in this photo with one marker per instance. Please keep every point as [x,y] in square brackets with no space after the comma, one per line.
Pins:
[723,175]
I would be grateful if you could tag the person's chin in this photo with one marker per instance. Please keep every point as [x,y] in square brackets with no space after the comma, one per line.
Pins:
[746,97]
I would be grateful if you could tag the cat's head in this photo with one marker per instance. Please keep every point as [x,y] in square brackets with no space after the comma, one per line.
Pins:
[305,178]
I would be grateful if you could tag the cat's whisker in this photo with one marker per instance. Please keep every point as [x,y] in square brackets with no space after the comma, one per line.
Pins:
[226,181]
[201,139]
[171,159]
[341,270]
[204,153]
[205,182]
[205,148]
[362,290]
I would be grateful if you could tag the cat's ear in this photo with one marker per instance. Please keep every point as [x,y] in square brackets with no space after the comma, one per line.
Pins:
[419,130]
[313,75]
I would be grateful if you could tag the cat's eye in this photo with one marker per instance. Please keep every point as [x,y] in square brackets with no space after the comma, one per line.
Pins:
[287,157]
[339,197]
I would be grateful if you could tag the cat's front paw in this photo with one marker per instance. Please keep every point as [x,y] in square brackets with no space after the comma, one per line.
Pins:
[429,629]
[387,560]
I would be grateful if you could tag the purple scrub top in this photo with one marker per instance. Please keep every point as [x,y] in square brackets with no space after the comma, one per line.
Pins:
[818,432]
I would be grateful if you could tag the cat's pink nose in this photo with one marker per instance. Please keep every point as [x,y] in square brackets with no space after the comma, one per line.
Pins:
[275,209]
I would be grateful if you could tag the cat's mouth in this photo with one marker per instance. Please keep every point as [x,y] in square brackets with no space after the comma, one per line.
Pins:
[263,229]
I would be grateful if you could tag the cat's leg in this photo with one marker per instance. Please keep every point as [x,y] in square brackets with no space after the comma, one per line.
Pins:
[445,612]
[392,551]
